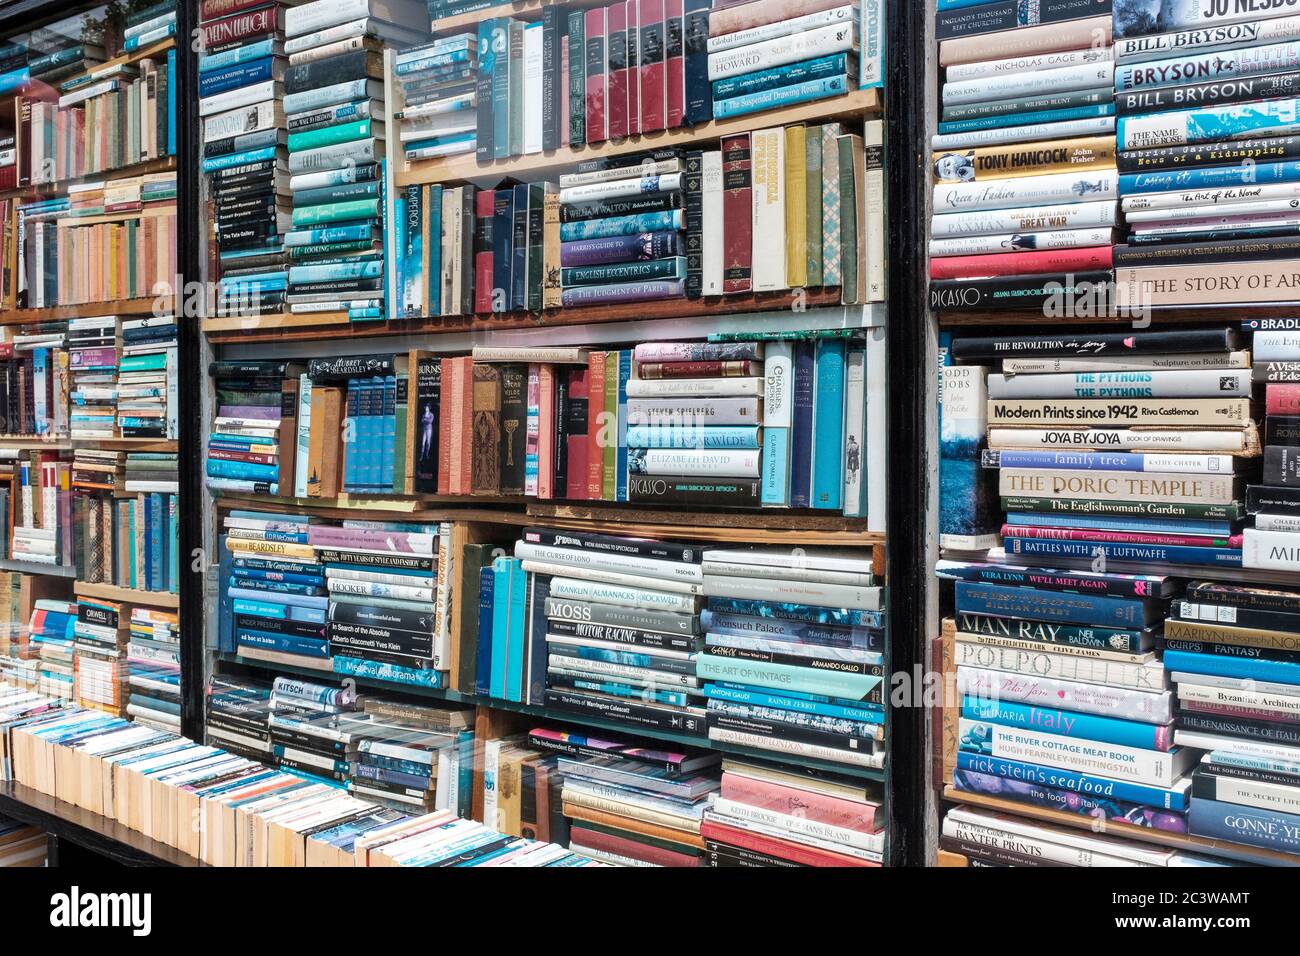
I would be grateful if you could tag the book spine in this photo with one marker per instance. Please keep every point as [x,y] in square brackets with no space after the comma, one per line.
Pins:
[1097,699]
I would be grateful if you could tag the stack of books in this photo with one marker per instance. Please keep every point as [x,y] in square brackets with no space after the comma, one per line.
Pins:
[63,59]
[629,805]
[148,379]
[34,382]
[237,714]
[388,600]
[50,636]
[273,597]
[308,732]
[774,53]
[348,434]
[103,120]
[153,658]
[42,518]
[153,472]
[100,636]
[440,839]
[92,361]
[341,143]
[1208,135]
[1086,642]
[21,845]
[438,82]
[128,541]
[1026,193]
[766,817]
[408,755]
[12,623]
[252,447]
[794,654]
[240,89]
[152,23]
[1274,502]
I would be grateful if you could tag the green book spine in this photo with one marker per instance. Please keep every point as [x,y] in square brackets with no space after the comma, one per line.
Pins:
[813,155]
[336,212]
[536,192]
[516,94]
[609,457]
[577,79]
[331,135]
[848,221]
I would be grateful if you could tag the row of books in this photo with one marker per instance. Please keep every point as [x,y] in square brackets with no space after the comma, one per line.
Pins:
[671,423]
[102,241]
[785,208]
[21,844]
[187,795]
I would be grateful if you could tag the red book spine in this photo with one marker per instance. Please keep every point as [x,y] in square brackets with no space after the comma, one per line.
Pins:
[650,60]
[231,30]
[575,435]
[1123,537]
[737,215]
[444,426]
[616,94]
[484,205]
[820,807]
[675,60]
[633,72]
[597,116]
[211,9]
[794,852]
[465,409]
[595,419]
[1282,399]
[609,843]
[1022,263]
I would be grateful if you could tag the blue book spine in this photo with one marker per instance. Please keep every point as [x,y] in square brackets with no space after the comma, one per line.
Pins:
[539,589]
[1237,823]
[703,436]
[325,96]
[257,608]
[486,605]
[517,631]
[389,435]
[284,643]
[666,220]
[501,570]
[519,243]
[1172,799]
[837,64]
[412,242]
[433,275]
[1246,668]
[297,600]
[760,698]
[360,269]
[329,234]
[854,687]
[796,632]
[1066,723]
[1005,601]
[366,314]
[781,96]
[246,470]
[225,611]
[796,612]
[374,476]
[156,549]
[1210,177]
[210,62]
[503,227]
[218,81]
[214,163]
[624,374]
[1091,460]
[1026,119]
[396,673]
[173,544]
[350,456]
[1227,557]
[287,577]
[801,430]
[431,61]
[828,438]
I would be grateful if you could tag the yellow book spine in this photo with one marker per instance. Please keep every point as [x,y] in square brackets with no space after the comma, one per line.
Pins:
[796,207]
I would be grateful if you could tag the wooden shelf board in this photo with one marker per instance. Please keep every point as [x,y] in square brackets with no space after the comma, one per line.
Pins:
[163,164]
[111,592]
[143,306]
[579,720]
[251,329]
[36,567]
[127,444]
[277,320]
[853,104]
[34,442]
[1177,841]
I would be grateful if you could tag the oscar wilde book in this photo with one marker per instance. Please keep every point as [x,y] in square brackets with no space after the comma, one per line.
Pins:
[486,467]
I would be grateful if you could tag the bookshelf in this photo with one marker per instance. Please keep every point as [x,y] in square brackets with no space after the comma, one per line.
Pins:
[36,567]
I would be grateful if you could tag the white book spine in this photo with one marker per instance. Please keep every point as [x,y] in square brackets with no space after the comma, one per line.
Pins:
[321,14]
[1278,550]
[1288,523]
[1276,346]
[1230,697]
[1239,746]
[722,463]
[620,188]
[1085,186]
[767,149]
[1028,64]
[1256,793]
[736,569]
[1067,695]
[769,31]
[532,105]
[307,41]
[375,589]
[873,132]
[1070,129]
[1146,384]
[576,589]
[612,577]
[624,174]
[793,560]
[443,603]
[692,413]
[1084,215]
[1229,64]
[798,748]
[1233,196]
[1045,849]
[376,577]
[580,560]
[1085,76]
[1120,363]
[1154,768]
[231,99]
[822,41]
[1279,208]
[818,594]
[1209,681]
[1021,242]
[1117,439]
[1204,39]
[722,387]
[450,248]
[876,450]
[1084,664]
[855,422]
[579,667]
[712,210]
[303,438]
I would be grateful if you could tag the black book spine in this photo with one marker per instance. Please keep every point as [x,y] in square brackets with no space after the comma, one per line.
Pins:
[990,347]
[1261,373]
[577,78]
[281,626]
[561,424]
[428,409]
[699,91]
[385,640]
[514,427]
[1250,773]
[635,715]
[786,730]
[1166,161]
[590,541]
[1282,466]
[631,636]
[1226,250]
[693,190]
[1220,93]
[1271,499]
[1020,292]
[483,144]
[353,65]
[420,662]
